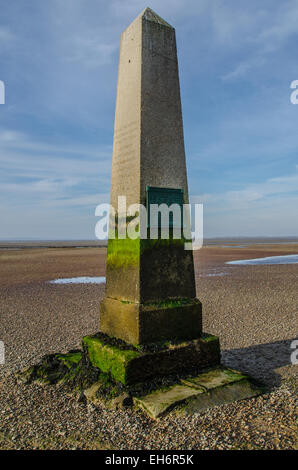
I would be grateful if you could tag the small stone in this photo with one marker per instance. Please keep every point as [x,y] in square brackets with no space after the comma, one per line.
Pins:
[90,393]
[122,401]
[82,398]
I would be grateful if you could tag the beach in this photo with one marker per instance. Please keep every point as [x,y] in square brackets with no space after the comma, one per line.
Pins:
[253,310]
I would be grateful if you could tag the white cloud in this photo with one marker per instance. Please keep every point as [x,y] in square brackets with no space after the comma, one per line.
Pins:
[263,33]
[243,67]
[261,209]
[6,36]
[8,136]
[90,200]
[253,193]
[91,52]
[35,172]
[43,186]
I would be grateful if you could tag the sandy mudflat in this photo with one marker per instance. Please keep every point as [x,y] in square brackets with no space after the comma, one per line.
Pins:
[253,309]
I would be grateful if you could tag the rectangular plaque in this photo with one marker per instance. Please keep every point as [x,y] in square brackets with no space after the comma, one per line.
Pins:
[166,196]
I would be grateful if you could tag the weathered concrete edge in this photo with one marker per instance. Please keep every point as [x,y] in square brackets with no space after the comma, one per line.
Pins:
[225,394]
[138,402]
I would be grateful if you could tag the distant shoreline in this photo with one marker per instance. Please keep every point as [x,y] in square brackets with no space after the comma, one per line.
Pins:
[26,244]
[219,241]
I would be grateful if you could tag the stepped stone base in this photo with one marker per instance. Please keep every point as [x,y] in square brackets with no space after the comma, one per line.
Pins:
[114,373]
[213,387]
[144,324]
[132,365]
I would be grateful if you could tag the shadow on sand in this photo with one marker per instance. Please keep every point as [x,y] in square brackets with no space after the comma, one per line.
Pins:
[261,361]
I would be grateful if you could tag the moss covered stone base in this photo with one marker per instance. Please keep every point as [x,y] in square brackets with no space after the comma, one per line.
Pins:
[135,323]
[132,365]
[155,377]
[74,371]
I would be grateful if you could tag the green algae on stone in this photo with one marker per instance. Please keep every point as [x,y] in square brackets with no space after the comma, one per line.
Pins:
[172,302]
[108,358]
[153,244]
[70,359]
[53,368]
[209,338]
[123,252]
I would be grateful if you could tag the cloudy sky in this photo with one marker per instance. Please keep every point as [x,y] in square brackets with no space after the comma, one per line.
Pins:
[58,60]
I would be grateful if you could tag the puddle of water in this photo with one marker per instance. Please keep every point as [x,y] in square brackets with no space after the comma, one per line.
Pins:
[232,246]
[284,259]
[80,280]
[216,274]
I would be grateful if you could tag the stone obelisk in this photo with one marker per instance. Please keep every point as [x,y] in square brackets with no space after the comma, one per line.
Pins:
[150,284]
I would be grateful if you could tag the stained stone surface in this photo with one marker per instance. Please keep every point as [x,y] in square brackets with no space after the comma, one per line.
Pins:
[90,393]
[148,131]
[129,365]
[214,378]
[235,391]
[143,324]
[159,402]
[214,387]
[148,151]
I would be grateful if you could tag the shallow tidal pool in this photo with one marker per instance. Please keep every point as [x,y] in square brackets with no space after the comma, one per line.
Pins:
[80,280]
[284,259]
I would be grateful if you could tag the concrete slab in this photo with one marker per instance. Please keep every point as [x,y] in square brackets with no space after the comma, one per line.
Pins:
[157,403]
[243,389]
[211,388]
[214,378]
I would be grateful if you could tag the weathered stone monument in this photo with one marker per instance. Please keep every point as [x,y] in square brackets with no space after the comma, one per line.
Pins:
[149,162]
[150,283]
[150,300]
[150,319]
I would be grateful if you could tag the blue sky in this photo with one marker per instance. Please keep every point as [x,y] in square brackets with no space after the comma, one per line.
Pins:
[59,59]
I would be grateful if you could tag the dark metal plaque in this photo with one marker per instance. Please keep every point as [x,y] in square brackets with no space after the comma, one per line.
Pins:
[166,196]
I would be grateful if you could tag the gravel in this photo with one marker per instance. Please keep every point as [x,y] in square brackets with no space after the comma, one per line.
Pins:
[253,309]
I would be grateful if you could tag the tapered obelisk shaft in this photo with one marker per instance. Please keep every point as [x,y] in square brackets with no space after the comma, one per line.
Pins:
[149,153]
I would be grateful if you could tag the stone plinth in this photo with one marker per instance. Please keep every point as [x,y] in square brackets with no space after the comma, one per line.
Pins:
[130,365]
[143,324]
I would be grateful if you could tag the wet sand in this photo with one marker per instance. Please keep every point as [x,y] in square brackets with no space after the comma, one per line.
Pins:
[253,309]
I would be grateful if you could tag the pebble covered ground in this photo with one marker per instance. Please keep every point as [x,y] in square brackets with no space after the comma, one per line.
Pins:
[253,309]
